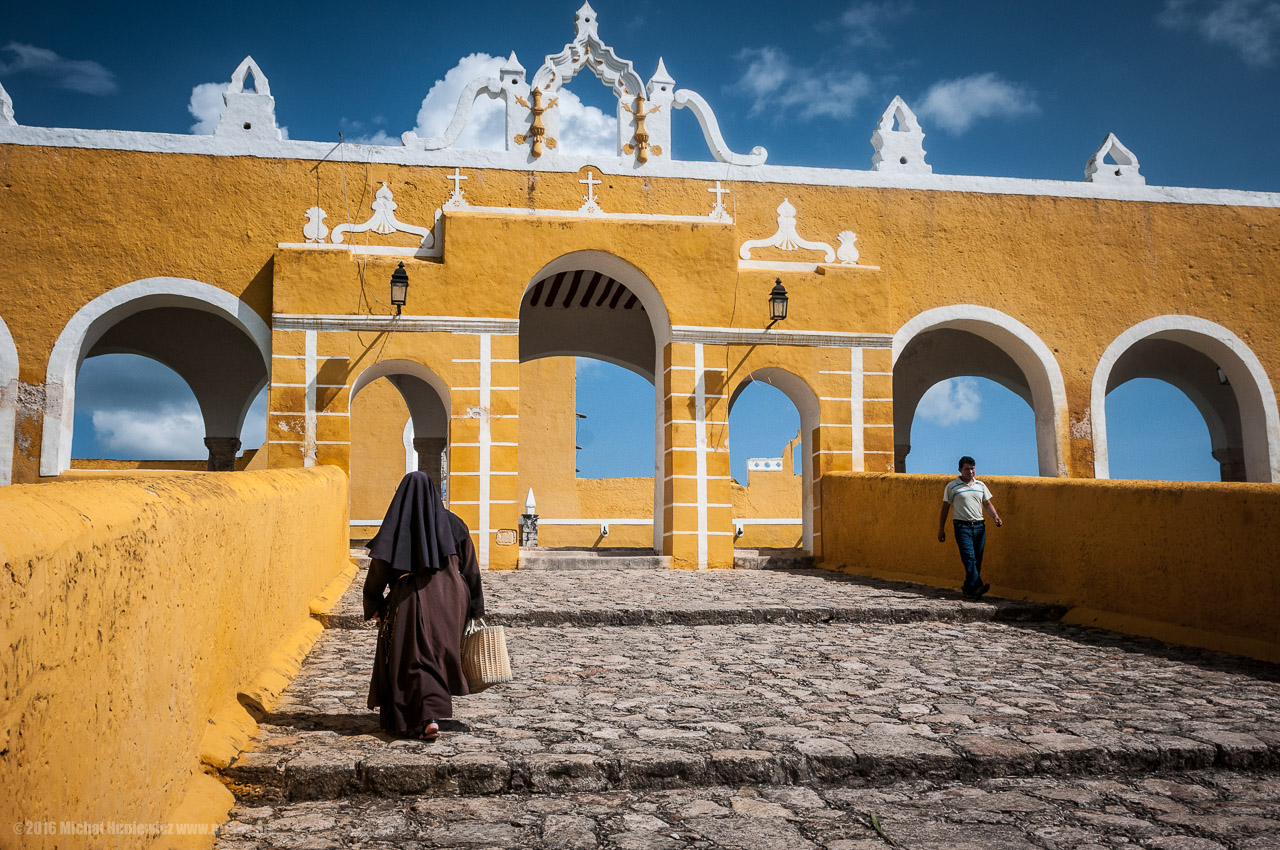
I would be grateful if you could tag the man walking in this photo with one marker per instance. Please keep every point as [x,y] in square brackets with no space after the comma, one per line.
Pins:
[970,497]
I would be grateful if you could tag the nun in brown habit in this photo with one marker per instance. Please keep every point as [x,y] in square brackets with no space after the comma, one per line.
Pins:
[424,554]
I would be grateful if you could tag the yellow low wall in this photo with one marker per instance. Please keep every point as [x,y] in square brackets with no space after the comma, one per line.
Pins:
[136,612]
[1186,562]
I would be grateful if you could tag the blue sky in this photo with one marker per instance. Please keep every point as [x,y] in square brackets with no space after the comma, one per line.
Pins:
[1001,88]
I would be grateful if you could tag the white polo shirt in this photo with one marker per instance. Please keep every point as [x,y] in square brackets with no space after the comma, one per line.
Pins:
[966,499]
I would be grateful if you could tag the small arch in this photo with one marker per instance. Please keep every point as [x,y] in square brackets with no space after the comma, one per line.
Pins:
[92,321]
[8,401]
[1017,342]
[1259,417]
[428,405]
[798,391]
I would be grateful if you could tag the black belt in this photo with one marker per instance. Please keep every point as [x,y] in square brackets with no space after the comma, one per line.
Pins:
[969,521]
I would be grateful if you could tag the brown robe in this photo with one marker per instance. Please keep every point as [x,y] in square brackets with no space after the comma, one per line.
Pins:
[417,667]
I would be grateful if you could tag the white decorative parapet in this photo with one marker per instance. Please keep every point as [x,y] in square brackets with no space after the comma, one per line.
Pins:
[6,109]
[533,119]
[384,221]
[764,464]
[248,113]
[899,141]
[1122,169]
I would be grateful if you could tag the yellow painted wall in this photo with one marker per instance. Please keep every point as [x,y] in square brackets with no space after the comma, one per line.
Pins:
[1187,562]
[135,611]
[378,416]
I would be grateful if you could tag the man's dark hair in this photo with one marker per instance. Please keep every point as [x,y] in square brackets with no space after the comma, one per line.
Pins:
[966,459]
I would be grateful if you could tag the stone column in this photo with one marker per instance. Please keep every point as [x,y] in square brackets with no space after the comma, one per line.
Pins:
[429,450]
[1231,461]
[222,453]
[900,452]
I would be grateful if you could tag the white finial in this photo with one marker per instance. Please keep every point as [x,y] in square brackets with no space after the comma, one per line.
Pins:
[661,75]
[898,141]
[584,22]
[1122,169]
[530,506]
[513,64]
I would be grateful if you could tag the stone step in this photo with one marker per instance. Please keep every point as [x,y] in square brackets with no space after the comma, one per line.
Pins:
[593,559]
[1171,812]
[608,709]
[716,597]
[771,559]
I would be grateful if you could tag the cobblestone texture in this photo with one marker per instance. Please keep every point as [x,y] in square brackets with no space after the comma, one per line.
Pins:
[662,597]
[1192,811]
[814,701]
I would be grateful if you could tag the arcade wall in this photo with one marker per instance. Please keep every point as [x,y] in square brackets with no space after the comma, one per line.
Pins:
[1189,563]
[141,613]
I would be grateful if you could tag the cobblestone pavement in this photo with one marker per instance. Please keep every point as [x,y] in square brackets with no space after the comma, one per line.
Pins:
[1217,810]
[957,728]
[660,597]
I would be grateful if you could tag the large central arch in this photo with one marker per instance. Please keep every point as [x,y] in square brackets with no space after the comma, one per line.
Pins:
[1258,419]
[1005,347]
[587,316]
[95,320]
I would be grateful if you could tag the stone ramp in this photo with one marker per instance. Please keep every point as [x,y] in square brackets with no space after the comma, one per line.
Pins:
[603,709]
[1191,811]
[716,597]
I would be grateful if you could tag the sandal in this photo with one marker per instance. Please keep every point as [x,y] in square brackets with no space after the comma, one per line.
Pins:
[430,732]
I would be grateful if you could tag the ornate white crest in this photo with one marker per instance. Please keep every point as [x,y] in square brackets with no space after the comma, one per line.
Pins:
[787,238]
[456,201]
[314,229]
[1122,169]
[384,221]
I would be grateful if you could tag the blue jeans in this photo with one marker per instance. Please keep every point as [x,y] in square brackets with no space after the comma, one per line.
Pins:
[971,539]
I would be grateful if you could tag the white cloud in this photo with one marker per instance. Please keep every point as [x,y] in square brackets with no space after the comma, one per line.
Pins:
[864,21]
[206,106]
[956,104]
[1250,27]
[777,86]
[583,129]
[951,402]
[80,75]
[171,433]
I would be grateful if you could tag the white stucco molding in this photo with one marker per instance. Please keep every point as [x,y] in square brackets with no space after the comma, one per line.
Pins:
[562,163]
[1028,351]
[1259,418]
[786,238]
[8,401]
[384,221]
[248,114]
[691,100]
[92,320]
[333,323]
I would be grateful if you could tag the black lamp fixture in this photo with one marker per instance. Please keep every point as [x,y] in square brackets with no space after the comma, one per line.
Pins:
[400,288]
[777,303]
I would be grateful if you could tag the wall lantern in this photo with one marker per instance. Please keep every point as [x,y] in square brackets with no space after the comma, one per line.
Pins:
[400,288]
[777,303]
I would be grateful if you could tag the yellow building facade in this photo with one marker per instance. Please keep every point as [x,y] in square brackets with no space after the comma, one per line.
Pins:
[242,260]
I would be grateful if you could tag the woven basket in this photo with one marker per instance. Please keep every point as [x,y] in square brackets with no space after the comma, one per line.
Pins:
[484,656]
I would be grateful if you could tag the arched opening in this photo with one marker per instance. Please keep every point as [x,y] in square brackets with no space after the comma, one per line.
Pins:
[966,341]
[8,401]
[399,422]
[772,416]
[973,416]
[591,305]
[1156,433]
[1216,372]
[216,343]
